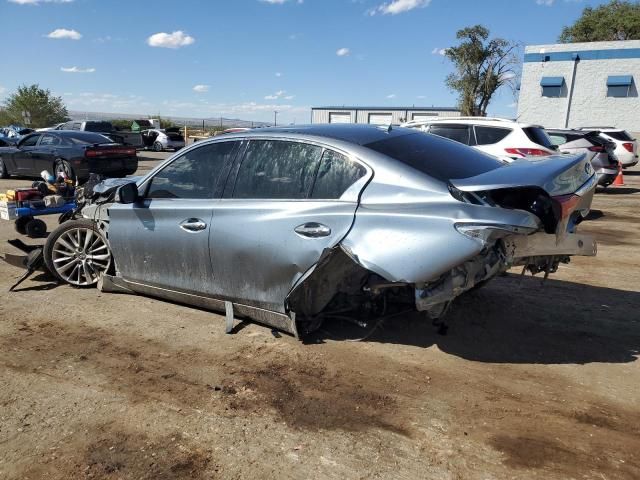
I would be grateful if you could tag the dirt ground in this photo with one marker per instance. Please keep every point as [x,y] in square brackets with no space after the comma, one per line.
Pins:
[531,382]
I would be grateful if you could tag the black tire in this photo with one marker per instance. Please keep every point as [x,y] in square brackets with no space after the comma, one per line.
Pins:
[36,228]
[64,166]
[52,241]
[157,147]
[4,173]
[21,224]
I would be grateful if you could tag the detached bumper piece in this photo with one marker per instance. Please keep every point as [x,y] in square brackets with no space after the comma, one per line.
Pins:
[520,247]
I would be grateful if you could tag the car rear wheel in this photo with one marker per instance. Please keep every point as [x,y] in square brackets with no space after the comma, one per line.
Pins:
[77,253]
[62,166]
[157,147]
[4,173]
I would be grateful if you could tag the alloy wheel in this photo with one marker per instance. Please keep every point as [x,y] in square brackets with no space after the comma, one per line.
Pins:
[81,256]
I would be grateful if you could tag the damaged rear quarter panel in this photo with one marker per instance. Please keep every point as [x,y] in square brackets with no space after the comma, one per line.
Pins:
[408,235]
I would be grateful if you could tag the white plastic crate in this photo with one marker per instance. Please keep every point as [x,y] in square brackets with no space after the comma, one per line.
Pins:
[8,210]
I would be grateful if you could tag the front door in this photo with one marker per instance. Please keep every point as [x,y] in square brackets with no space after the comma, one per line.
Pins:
[23,157]
[163,239]
[288,202]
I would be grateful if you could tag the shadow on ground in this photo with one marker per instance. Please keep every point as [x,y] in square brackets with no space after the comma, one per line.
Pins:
[509,322]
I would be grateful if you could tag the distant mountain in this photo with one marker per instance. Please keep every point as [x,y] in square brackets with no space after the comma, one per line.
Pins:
[189,121]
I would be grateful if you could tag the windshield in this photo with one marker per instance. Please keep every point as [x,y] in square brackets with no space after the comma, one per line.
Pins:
[81,138]
[621,135]
[98,127]
[438,157]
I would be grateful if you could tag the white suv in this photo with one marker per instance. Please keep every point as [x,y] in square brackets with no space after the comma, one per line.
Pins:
[496,136]
[626,146]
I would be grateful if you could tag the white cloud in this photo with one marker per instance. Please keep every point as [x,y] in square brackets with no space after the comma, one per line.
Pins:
[398,6]
[38,2]
[278,95]
[507,76]
[546,3]
[63,33]
[439,51]
[176,39]
[2,89]
[278,74]
[77,70]
[280,2]
[201,88]
[513,105]
[391,95]
[343,52]
[421,97]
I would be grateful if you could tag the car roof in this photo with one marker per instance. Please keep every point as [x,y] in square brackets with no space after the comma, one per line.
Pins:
[359,134]
[489,121]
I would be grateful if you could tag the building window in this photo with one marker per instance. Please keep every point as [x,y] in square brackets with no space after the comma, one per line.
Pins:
[339,117]
[552,86]
[619,86]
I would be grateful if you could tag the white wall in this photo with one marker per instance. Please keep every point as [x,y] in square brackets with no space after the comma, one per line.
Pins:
[590,105]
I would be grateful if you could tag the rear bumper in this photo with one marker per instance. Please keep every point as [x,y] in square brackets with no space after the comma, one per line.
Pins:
[107,166]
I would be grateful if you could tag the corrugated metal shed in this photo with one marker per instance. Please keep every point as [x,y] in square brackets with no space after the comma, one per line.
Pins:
[378,115]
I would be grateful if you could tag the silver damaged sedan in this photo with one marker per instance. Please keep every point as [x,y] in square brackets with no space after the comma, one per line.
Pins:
[291,226]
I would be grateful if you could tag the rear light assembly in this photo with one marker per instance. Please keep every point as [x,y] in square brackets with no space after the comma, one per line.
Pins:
[528,152]
[106,152]
[566,204]
[628,146]
[597,148]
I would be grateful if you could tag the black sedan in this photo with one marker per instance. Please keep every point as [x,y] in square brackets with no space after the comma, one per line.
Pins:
[75,153]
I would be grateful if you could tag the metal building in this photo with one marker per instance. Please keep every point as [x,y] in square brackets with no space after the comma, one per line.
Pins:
[378,115]
[576,85]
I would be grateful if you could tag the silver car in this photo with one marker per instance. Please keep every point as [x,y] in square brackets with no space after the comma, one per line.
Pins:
[290,226]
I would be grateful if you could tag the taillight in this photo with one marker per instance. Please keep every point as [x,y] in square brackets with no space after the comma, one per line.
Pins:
[628,146]
[91,153]
[528,152]
[566,204]
[597,148]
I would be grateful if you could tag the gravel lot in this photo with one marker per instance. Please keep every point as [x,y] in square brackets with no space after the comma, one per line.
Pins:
[531,381]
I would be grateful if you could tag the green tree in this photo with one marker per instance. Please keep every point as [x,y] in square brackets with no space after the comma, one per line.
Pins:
[482,66]
[617,20]
[44,108]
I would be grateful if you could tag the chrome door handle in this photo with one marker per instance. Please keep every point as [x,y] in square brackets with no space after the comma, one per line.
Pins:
[193,225]
[313,230]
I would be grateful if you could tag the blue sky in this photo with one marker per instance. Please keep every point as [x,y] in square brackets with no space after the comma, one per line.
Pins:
[246,58]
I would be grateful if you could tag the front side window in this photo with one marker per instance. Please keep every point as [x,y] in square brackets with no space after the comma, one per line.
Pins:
[277,169]
[490,135]
[335,175]
[194,174]
[30,141]
[459,133]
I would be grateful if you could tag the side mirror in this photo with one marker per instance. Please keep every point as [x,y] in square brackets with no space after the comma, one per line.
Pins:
[127,193]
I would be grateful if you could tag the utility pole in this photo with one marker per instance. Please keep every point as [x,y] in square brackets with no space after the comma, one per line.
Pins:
[275,118]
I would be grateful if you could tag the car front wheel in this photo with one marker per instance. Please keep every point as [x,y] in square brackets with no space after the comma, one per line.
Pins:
[77,253]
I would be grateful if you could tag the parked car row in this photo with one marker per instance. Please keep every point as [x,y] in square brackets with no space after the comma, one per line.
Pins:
[510,140]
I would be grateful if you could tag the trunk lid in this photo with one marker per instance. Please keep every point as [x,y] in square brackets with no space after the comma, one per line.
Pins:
[556,174]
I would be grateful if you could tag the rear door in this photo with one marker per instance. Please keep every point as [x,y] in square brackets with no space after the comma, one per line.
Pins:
[288,201]
[163,239]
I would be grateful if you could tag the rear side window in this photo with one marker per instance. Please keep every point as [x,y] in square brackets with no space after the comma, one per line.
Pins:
[490,135]
[194,174]
[30,141]
[335,175]
[49,140]
[557,139]
[435,156]
[277,169]
[621,135]
[459,133]
[538,135]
